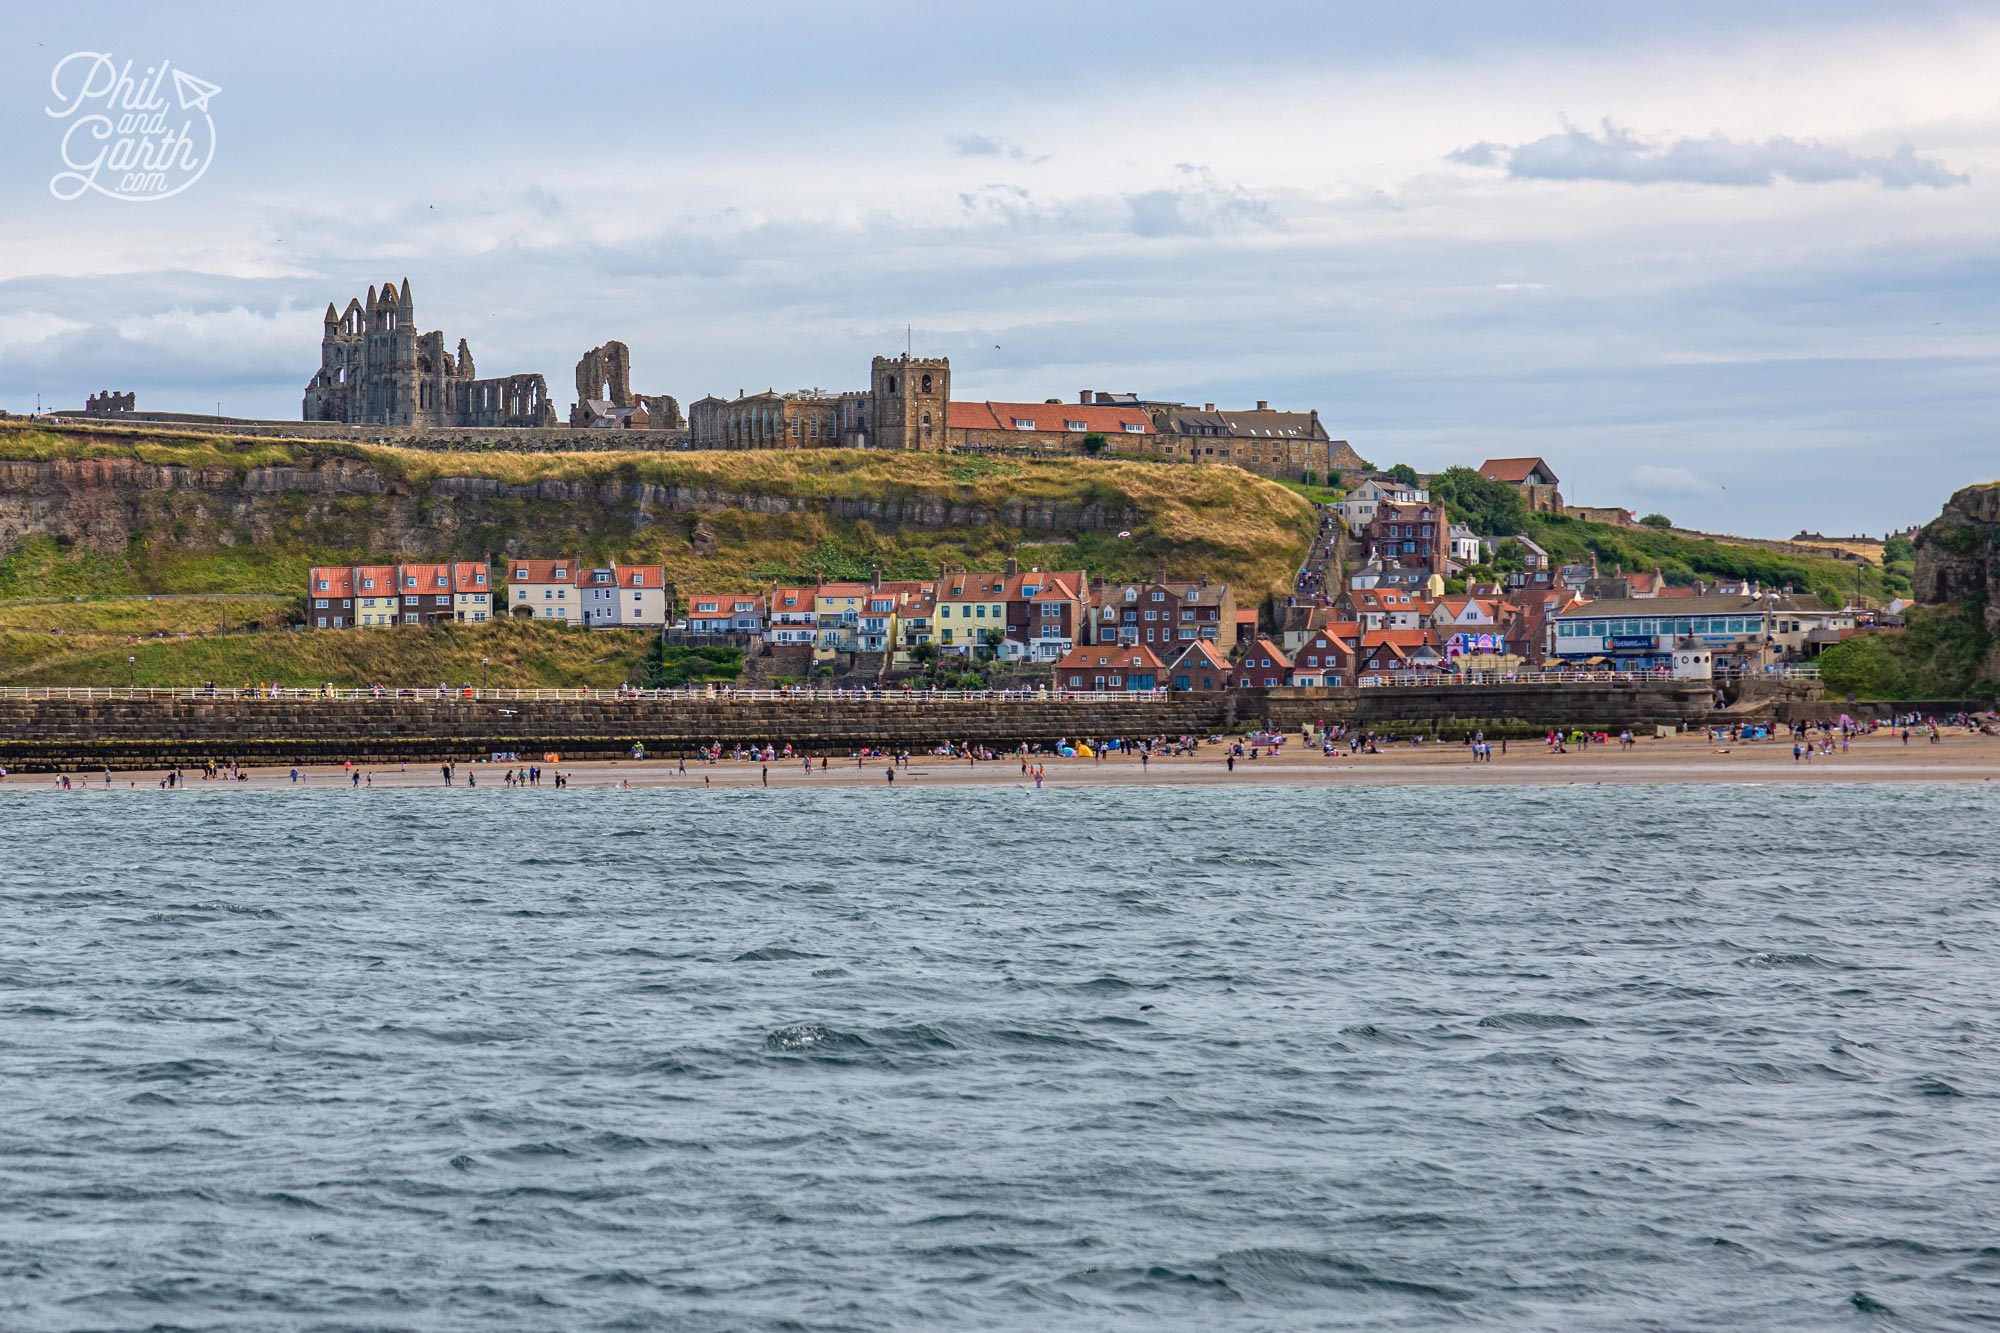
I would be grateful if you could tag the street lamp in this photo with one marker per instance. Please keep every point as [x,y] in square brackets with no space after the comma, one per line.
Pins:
[484,663]
[132,671]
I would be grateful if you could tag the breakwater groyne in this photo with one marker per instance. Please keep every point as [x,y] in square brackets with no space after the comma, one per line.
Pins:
[150,729]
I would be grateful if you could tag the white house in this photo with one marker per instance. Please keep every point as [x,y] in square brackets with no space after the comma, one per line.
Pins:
[1358,507]
[544,590]
[1466,547]
[623,595]
[794,616]
[579,594]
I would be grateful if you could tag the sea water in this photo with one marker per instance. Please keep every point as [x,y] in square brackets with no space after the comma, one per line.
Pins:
[1263,1058]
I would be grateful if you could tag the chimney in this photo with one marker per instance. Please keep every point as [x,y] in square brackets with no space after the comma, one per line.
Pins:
[1263,404]
[1083,396]
[875,576]
[1013,566]
[1208,407]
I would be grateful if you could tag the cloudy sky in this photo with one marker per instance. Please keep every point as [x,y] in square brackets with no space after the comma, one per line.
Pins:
[1736,262]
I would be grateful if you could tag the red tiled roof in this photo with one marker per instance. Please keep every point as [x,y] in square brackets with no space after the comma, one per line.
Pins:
[1130,656]
[1053,417]
[541,571]
[651,576]
[1514,470]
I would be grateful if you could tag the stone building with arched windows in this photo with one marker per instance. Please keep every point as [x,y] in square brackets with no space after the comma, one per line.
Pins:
[375,369]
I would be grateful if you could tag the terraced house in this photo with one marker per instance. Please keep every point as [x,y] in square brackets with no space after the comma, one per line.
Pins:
[971,612]
[568,590]
[362,596]
[632,596]
[794,616]
[1164,614]
[725,613]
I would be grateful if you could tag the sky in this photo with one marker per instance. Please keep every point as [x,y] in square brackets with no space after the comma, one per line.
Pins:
[1731,262]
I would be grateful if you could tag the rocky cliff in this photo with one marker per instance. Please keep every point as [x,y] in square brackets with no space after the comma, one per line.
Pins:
[103,503]
[1958,562]
[170,511]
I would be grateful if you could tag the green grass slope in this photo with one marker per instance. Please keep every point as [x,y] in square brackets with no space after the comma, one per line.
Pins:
[1220,522]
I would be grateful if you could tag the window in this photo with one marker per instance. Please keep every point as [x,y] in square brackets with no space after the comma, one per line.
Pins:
[322,619]
[479,578]
[1076,425]
[1023,423]
[1134,428]
[320,604]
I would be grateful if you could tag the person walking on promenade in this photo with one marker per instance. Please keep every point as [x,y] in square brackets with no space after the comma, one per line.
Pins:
[445,769]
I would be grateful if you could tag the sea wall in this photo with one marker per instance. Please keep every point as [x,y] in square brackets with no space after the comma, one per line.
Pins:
[152,731]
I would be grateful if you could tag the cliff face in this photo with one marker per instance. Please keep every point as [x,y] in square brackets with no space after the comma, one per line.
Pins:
[1958,560]
[103,504]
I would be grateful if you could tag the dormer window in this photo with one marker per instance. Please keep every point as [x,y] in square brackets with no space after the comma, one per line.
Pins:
[1023,423]
[1076,425]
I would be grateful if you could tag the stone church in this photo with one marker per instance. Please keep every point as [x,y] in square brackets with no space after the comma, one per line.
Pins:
[377,370]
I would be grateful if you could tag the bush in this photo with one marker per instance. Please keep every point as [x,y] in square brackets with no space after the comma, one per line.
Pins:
[1939,656]
[667,667]
[1489,508]
[1094,444]
[1660,521]
[1406,474]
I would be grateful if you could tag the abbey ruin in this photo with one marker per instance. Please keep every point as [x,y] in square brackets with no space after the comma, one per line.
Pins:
[375,369]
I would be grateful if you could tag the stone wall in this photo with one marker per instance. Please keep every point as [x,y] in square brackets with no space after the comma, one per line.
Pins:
[148,732]
[154,731]
[450,439]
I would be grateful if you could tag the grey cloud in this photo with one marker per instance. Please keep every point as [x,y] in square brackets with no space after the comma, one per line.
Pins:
[1485,153]
[1201,208]
[1618,154]
[981,145]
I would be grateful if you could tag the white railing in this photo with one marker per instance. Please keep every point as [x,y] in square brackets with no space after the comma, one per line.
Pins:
[1433,679]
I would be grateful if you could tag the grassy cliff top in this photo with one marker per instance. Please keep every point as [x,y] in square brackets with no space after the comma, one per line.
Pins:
[1189,521]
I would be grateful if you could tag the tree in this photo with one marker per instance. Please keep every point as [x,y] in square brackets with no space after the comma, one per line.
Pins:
[1509,556]
[1660,521]
[1094,444]
[1897,550]
[1489,508]
[1406,474]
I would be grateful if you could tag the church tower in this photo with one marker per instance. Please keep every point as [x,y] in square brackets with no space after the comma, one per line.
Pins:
[910,401]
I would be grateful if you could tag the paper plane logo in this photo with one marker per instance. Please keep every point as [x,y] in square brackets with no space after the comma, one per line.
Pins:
[125,138]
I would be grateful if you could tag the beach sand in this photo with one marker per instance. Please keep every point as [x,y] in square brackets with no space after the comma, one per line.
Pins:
[1958,757]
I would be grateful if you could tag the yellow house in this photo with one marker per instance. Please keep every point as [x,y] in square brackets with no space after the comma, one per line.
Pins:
[375,598]
[968,607]
[839,614]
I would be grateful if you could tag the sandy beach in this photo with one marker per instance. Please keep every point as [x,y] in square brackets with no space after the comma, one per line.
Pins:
[1958,757]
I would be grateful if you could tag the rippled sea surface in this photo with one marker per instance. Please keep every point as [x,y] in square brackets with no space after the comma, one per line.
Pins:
[1642,1058]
